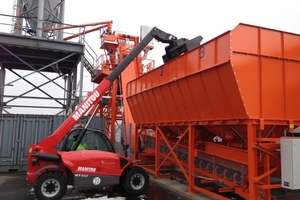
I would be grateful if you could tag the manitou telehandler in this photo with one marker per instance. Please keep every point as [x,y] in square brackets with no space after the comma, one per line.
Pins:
[55,162]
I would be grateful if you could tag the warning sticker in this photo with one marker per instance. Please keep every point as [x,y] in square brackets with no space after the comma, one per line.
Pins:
[96,181]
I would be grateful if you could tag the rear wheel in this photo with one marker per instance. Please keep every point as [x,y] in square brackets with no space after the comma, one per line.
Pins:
[135,181]
[50,186]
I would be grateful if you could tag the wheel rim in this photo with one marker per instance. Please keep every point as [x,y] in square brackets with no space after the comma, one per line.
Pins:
[50,187]
[137,181]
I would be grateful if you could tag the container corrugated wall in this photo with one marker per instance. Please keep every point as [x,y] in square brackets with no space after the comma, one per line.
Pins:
[8,140]
[18,132]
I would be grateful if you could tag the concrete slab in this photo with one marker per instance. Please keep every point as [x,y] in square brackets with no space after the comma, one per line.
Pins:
[13,186]
[179,188]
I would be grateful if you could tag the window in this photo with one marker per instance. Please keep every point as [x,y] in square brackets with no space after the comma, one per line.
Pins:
[92,140]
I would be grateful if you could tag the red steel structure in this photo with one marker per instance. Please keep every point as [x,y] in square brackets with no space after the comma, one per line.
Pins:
[217,113]
[116,47]
[114,107]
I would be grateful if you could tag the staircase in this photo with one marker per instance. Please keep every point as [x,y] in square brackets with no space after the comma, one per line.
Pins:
[89,67]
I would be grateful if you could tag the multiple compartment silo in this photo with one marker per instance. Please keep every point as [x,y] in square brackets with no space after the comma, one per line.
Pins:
[219,110]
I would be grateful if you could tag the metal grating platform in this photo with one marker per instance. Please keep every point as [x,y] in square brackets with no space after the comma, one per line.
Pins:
[30,53]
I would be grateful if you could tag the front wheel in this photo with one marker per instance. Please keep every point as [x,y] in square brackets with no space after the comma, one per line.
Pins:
[135,181]
[50,186]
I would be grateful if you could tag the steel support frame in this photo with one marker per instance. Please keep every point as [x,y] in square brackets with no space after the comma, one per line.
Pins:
[189,169]
[71,100]
[158,163]
[35,87]
[261,180]
[113,118]
[259,170]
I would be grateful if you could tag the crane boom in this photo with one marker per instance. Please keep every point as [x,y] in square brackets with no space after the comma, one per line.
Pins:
[174,49]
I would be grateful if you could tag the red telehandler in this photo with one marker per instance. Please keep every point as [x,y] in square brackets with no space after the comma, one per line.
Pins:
[55,162]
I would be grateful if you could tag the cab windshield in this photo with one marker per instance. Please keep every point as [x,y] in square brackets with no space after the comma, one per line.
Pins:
[92,140]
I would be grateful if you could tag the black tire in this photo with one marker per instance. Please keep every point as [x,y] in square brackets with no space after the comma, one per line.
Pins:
[134,181]
[50,186]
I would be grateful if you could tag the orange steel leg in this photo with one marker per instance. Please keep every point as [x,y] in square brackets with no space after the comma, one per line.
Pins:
[252,161]
[191,159]
[157,153]
[268,178]
[113,111]
[135,144]
[266,150]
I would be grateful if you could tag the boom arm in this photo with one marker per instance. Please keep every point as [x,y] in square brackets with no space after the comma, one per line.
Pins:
[174,49]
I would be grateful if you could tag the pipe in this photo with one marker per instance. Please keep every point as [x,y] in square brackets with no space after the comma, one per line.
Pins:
[40,18]
[60,35]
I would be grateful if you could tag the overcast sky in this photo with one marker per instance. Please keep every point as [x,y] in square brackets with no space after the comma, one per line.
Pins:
[188,18]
